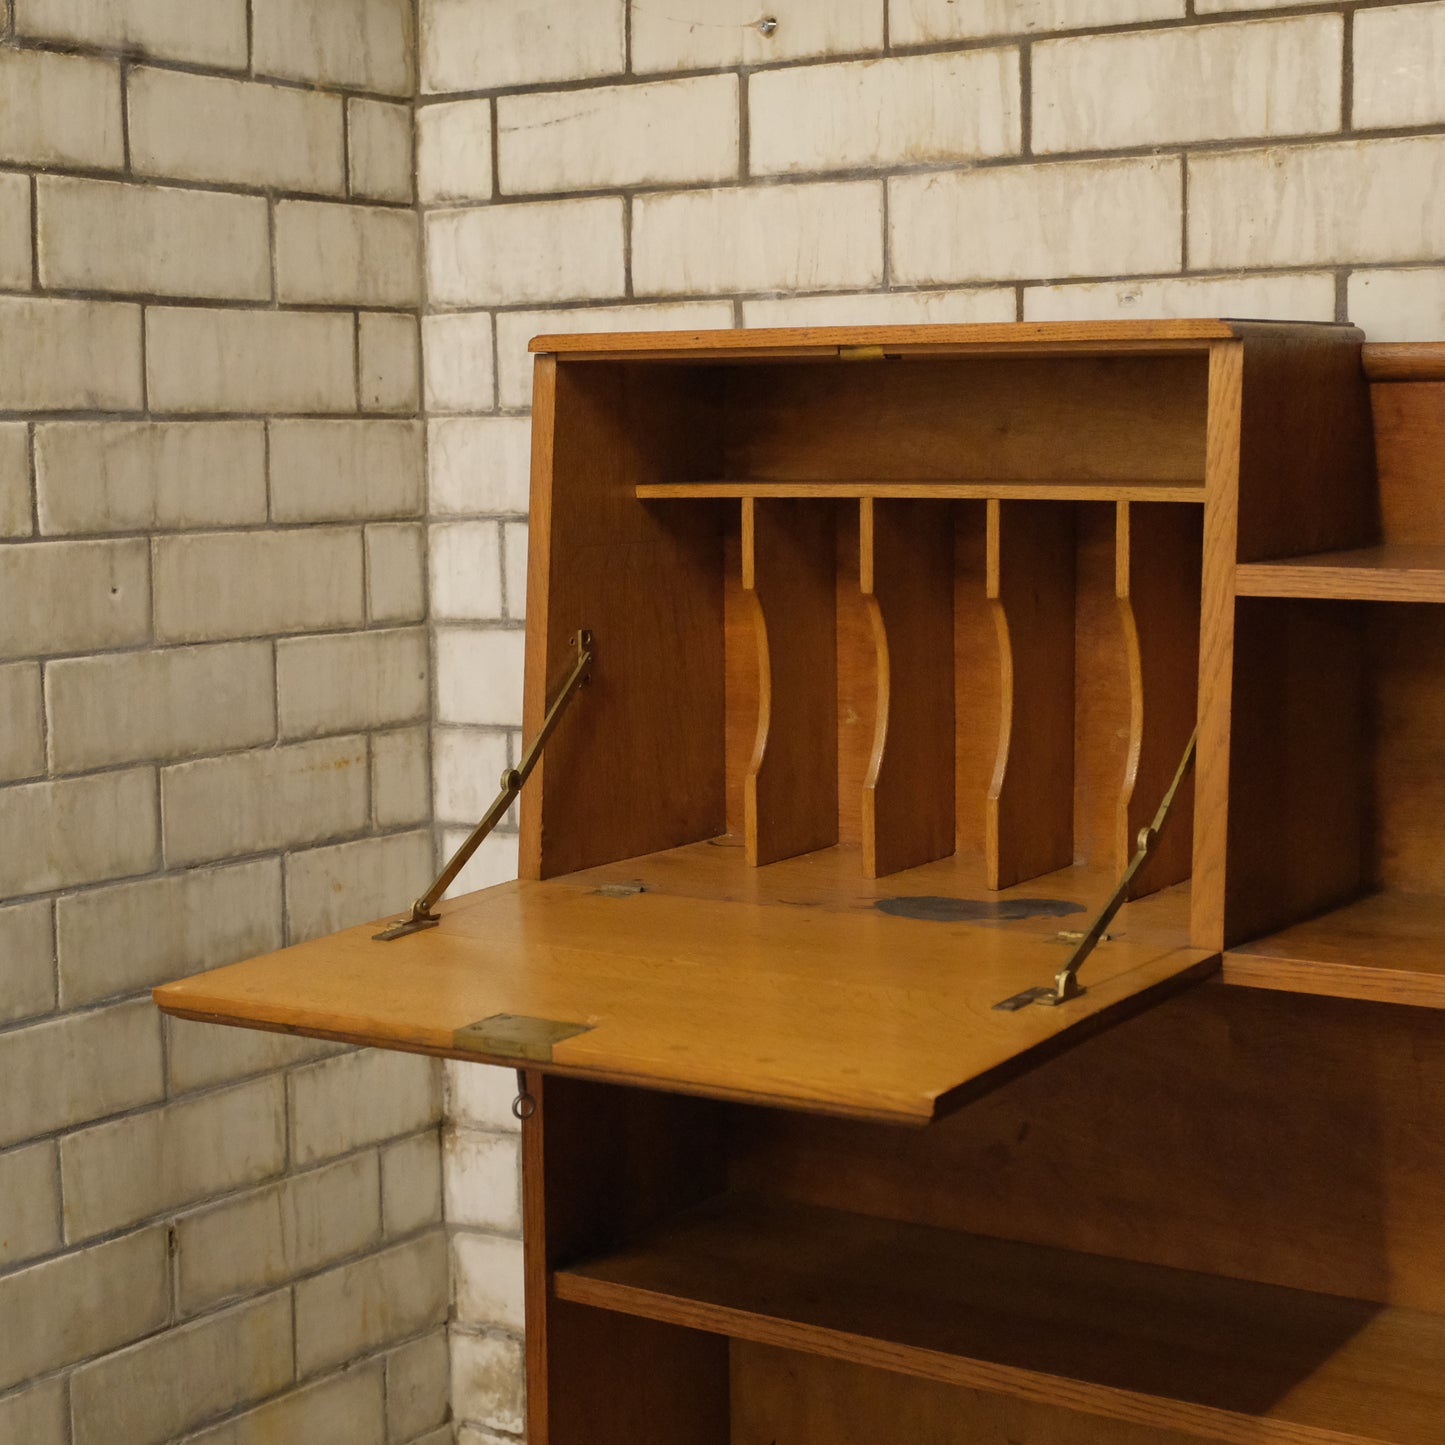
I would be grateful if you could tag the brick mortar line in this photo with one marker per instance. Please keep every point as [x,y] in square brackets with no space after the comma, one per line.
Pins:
[140,59]
[155,875]
[1000,41]
[1157,149]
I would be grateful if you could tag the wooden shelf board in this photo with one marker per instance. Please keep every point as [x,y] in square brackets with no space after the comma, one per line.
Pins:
[1036,337]
[1133,491]
[1222,1358]
[1387,573]
[781,985]
[1385,948]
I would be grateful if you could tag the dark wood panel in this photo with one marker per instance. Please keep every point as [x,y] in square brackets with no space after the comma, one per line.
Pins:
[1108,420]
[906,578]
[1410,451]
[1158,587]
[790,799]
[1248,1363]
[1030,818]
[784,1398]
[1265,1136]
[639,758]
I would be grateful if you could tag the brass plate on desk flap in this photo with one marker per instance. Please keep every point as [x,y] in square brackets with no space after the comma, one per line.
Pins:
[516,1036]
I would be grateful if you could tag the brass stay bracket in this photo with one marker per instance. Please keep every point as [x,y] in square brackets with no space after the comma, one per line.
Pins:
[512,781]
[1066,984]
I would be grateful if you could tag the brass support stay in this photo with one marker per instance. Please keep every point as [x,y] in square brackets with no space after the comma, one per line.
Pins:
[512,780]
[1066,984]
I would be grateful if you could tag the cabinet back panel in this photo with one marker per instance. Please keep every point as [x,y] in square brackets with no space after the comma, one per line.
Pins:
[1273,1137]
[1410,454]
[783,1398]
[1035,419]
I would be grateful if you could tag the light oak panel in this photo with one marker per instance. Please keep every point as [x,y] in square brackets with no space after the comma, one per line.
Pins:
[1030,818]
[906,578]
[790,799]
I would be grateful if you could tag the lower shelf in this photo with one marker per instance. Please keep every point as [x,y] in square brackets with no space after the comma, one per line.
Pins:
[1387,573]
[1166,1348]
[1384,949]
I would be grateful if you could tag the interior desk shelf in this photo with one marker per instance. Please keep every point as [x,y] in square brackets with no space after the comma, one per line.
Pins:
[882,651]
[1224,1359]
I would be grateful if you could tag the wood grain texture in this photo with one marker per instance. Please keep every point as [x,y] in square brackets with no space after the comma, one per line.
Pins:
[721,980]
[857,682]
[790,797]
[1237,1132]
[977,710]
[1042,491]
[1226,1359]
[906,578]
[1409,445]
[780,1395]
[1298,787]
[1384,948]
[1216,644]
[1404,360]
[1158,570]
[1109,336]
[598,1165]
[1030,819]
[1392,572]
[1109,422]
[1405,768]
[638,762]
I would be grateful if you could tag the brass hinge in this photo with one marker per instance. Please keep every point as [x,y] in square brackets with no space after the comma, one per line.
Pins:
[860,353]
[1066,984]
[421,915]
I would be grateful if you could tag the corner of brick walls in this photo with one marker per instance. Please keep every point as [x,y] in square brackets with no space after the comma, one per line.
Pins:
[215,695]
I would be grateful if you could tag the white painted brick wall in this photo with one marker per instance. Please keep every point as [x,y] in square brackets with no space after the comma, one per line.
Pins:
[210,289]
[543,251]
[626,135]
[325,471]
[140,476]
[1215,82]
[58,355]
[454,151]
[482,44]
[698,34]
[157,1390]
[60,110]
[331,254]
[205,128]
[15,247]
[365,44]
[253,802]
[159,240]
[238,584]
[1399,65]
[213,34]
[250,361]
[726,240]
[118,1173]
[128,707]
[921,22]
[926,108]
[1037,221]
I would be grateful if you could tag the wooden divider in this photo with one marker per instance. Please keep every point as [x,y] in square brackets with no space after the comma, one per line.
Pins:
[790,801]
[906,577]
[1030,818]
[1157,579]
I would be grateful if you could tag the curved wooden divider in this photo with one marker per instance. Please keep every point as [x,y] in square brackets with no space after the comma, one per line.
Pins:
[790,792]
[1157,579]
[906,577]
[1030,815]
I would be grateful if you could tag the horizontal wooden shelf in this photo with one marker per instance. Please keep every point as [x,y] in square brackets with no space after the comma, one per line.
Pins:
[1389,573]
[1385,948]
[1220,1358]
[1130,491]
[786,984]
